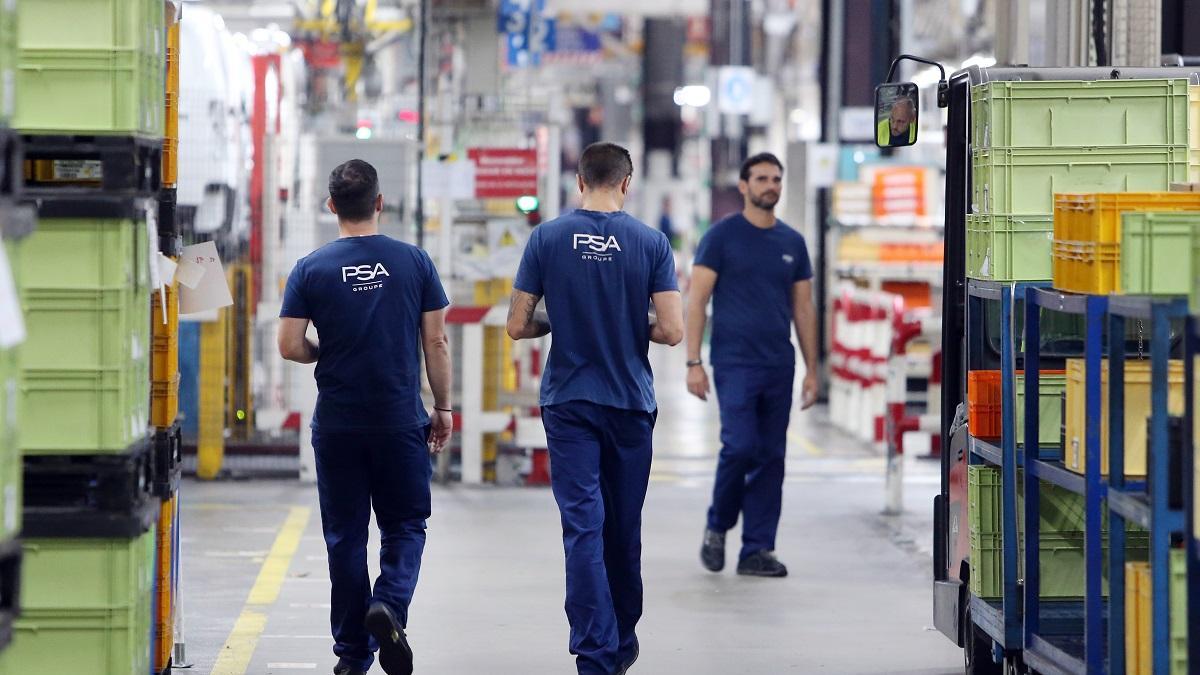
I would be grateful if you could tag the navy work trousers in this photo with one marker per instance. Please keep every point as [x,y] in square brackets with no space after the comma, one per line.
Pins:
[756,404]
[599,470]
[355,472]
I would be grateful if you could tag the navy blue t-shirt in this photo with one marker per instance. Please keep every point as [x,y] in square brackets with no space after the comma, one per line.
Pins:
[752,301]
[597,272]
[365,295]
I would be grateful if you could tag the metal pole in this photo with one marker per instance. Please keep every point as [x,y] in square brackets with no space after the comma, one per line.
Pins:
[419,210]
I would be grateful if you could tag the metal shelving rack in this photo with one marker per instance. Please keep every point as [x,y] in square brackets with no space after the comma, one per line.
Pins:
[1101,647]
[1065,651]
[1002,621]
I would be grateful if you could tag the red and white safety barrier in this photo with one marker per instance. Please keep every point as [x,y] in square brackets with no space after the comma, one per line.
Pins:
[869,369]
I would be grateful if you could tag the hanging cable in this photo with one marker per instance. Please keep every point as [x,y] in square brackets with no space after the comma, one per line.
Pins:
[1098,32]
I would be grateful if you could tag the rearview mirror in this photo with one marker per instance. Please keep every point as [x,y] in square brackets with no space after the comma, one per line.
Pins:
[896,110]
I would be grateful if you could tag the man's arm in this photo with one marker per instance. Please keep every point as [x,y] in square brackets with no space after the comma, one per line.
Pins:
[294,345]
[704,279]
[668,308]
[436,347]
[804,315]
[524,322]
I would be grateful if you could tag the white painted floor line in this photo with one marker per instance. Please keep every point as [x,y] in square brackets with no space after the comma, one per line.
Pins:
[310,605]
[297,637]
[291,666]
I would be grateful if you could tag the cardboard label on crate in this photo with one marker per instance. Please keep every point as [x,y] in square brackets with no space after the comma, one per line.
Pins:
[211,289]
[77,169]
[12,322]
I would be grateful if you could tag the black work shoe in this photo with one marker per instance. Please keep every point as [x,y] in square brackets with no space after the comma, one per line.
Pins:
[344,668]
[712,553]
[633,659]
[395,656]
[762,564]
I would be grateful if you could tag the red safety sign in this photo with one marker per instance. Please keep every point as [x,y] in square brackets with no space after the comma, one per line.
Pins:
[504,172]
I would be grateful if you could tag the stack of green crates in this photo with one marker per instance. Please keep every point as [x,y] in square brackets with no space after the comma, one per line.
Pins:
[1061,536]
[91,67]
[1031,140]
[98,623]
[85,290]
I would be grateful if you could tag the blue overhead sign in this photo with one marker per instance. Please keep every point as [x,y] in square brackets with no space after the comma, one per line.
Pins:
[527,32]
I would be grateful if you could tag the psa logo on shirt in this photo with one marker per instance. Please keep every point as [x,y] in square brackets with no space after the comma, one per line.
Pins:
[596,247]
[364,276]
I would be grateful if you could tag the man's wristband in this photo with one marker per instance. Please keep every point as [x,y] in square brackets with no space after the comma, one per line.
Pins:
[697,362]
[449,410]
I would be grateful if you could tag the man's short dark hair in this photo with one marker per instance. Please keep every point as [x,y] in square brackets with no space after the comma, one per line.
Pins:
[353,187]
[605,165]
[760,158]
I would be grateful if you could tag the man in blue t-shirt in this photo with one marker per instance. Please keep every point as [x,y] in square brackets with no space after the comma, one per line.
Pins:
[600,270]
[376,304]
[758,274]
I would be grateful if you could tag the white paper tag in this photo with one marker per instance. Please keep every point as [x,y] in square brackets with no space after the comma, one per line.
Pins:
[188,273]
[212,290]
[152,245]
[12,323]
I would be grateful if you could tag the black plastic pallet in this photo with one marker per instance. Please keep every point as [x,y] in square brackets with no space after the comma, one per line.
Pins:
[10,589]
[168,461]
[110,483]
[130,166]
[169,240]
[94,206]
[75,523]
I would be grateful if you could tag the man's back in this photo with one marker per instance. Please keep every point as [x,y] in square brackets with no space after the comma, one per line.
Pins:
[597,271]
[365,296]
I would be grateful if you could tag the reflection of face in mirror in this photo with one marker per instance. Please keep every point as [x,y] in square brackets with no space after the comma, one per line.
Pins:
[896,115]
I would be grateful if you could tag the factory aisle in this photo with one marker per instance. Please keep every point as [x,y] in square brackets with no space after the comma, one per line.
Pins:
[490,599]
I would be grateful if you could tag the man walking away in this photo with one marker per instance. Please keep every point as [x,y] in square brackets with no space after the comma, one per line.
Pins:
[376,303]
[757,271]
[600,270]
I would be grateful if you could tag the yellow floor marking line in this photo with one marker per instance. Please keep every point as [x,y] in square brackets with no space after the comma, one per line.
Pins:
[808,446]
[234,658]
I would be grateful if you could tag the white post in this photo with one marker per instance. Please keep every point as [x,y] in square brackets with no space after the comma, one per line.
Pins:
[472,404]
[897,391]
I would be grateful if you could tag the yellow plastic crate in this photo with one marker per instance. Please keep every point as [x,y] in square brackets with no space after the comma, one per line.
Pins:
[1137,409]
[1086,267]
[1137,618]
[1096,217]
[164,402]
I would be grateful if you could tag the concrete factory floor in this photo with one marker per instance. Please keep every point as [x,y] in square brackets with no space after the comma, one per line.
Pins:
[255,590]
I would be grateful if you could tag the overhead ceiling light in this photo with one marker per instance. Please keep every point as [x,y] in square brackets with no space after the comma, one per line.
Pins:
[694,95]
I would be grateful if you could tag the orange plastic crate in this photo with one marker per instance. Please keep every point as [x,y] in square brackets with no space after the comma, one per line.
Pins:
[1096,217]
[984,403]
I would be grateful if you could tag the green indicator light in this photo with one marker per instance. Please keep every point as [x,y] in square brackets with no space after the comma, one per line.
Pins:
[527,203]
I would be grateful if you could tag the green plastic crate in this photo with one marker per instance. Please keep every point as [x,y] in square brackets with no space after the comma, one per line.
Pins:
[124,91]
[85,289]
[85,253]
[1023,181]
[1052,387]
[1059,510]
[1009,248]
[102,625]
[134,25]
[1159,254]
[1179,612]
[1061,561]
[76,412]
[1075,114]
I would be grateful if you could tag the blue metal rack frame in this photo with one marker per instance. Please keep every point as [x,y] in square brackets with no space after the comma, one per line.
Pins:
[1064,653]
[1147,506]
[1003,621]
